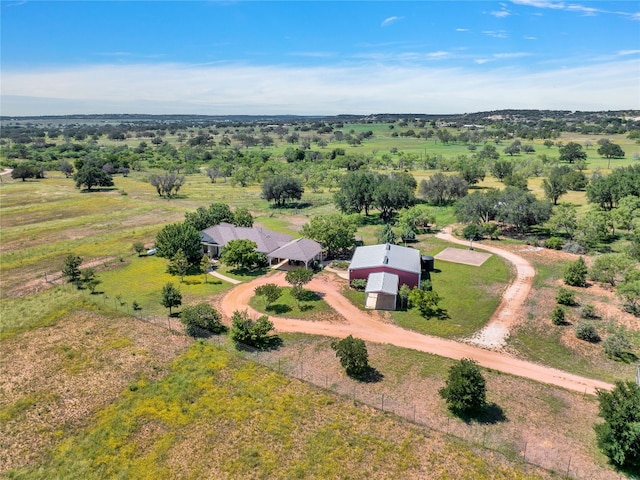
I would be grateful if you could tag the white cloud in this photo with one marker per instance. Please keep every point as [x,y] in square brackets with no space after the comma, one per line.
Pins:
[462,29]
[496,33]
[624,53]
[573,7]
[500,13]
[390,20]
[367,88]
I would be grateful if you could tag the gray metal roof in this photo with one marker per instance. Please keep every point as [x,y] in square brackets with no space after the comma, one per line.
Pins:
[300,249]
[386,254]
[382,282]
[266,240]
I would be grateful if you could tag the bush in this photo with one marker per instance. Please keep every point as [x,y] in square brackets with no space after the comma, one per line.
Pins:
[465,389]
[565,297]
[557,316]
[587,331]
[588,311]
[617,346]
[575,273]
[201,318]
[358,283]
[353,355]
[575,248]
[245,331]
[554,243]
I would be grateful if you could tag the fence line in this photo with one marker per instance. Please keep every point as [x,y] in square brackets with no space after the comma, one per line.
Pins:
[560,462]
[477,434]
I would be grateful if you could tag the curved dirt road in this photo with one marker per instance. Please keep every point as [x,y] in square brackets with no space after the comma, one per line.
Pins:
[496,331]
[368,326]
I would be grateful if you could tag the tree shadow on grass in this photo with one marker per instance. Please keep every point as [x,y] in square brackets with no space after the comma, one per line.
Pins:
[490,414]
[278,309]
[306,308]
[369,375]
[254,272]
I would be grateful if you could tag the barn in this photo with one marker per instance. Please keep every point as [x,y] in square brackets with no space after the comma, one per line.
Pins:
[395,260]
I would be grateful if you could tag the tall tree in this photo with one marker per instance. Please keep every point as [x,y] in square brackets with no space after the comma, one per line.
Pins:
[176,236]
[179,265]
[91,175]
[357,190]
[572,152]
[282,189]
[334,231]
[71,268]
[242,253]
[555,186]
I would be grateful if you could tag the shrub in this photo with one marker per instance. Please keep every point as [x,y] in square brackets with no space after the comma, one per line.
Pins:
[588,311]
[565,297]
[245,331]
[617,346]
[554,243]
[199,318]
[557,316]
[575,273]
[353,355]
[573,247]
[587,331]
[359,283]
[465,389]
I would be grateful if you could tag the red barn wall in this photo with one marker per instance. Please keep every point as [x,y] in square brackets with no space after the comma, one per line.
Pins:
[408,278]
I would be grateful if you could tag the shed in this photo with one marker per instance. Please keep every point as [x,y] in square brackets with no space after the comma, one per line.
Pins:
[401,261]
[382,291]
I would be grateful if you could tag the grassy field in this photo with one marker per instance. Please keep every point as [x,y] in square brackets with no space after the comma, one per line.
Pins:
[215,416]
[311,308]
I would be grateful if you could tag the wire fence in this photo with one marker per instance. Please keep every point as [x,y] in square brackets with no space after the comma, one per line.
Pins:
[557,459]
[550,457]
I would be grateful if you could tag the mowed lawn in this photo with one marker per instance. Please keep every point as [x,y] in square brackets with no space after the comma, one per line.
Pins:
[469,294]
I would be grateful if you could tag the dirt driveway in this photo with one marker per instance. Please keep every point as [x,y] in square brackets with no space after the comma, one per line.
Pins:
[369,326]
[496,331]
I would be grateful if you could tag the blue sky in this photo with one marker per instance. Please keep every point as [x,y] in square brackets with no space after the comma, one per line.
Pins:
[317,57]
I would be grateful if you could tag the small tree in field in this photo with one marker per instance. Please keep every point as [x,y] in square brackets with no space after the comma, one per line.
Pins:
[71,268]
[297,278]
[138,247]
[353,355]
[179,265]
[270,291]
[171,296]
[465,389]
[575,273]
[201,317]
[248,332]
[205,264]
[619,435]
[557,316]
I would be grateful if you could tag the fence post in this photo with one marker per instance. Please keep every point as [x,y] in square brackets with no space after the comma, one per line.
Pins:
[524,454]
[383,402]
[568,466]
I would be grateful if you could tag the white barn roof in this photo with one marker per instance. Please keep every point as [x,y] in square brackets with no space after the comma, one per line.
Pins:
[386,254]
[382,282]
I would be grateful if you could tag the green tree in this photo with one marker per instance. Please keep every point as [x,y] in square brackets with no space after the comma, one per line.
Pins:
[282,189]
[176,236]
[387,235]
[441,189]
[171,296]
[201,318]
[472,232]
[611,268]
[353,355]
[465,388]
[564,218]
[478,206]
[245,331]
[298,277]
[167,184]
[270,291]
[65,167]
[138,247]
[629,293]
[472,171]
[214,214]
[242,253]
[242,217]
[205,265]
[619,435]
[575,273]
[521,209]
[572,152]
[558,316]
[502,169]
[391,195]
[555,186]
[91,175]
[426,301]
[334,231]
[611,150]
[357,190]
[71,268]
[403,293]
[179,265]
